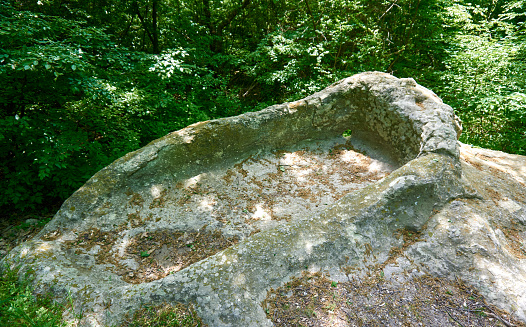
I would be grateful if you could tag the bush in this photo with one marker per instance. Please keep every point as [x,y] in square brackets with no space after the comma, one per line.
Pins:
[74,101]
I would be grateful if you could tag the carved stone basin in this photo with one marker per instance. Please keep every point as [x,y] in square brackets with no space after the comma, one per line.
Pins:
[218,213]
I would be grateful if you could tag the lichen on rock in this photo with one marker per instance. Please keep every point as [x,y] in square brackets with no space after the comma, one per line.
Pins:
[222,211]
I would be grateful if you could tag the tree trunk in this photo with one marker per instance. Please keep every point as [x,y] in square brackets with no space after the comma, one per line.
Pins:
[154,34]
[155,28]
[216,30]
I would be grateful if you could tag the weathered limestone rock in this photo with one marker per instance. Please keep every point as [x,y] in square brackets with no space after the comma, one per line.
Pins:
[280,191]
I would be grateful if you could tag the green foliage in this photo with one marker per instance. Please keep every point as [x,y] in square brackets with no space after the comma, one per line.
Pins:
[84,82]
[318,42]
[74,101]
[19,307]
[48,146]
[485,76]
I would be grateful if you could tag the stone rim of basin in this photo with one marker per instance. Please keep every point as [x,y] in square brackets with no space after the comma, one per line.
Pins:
[405,116]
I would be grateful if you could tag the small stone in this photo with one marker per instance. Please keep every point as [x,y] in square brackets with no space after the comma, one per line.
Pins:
[32,221]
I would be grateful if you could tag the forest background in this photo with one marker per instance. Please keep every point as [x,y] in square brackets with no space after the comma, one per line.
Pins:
[83,82]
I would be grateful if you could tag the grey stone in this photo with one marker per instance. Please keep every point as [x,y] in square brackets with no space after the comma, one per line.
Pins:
[298,196]
[31,221]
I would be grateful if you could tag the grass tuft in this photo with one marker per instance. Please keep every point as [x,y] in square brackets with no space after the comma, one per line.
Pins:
[166,315]
[19,307]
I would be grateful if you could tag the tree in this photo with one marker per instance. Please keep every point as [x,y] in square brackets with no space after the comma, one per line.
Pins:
[84,82]
[484,76]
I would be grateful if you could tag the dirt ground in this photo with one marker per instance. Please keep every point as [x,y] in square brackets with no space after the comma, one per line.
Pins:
[15,230]
[315,300]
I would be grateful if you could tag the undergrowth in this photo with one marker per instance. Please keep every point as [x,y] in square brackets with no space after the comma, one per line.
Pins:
[166,315]
[19,307]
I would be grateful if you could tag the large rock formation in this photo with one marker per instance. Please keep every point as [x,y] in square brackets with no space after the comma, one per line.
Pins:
[218,213]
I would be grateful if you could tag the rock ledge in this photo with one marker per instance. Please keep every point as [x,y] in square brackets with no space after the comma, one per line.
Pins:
[278,192]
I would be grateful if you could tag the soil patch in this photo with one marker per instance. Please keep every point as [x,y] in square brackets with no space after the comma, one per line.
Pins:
[150,255]
[316,300]
[161,253]
[15,230]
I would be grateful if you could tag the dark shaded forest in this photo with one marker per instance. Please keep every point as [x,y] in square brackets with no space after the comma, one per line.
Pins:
[83,82]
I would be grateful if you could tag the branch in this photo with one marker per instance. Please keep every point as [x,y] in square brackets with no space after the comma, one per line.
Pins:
[494,314]
[127,29]
[143,23]
[208,16]
[155,40]
[389,9]
[311,16]
[453,317]
[232,15]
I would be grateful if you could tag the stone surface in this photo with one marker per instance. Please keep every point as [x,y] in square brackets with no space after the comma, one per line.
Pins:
[218,213]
